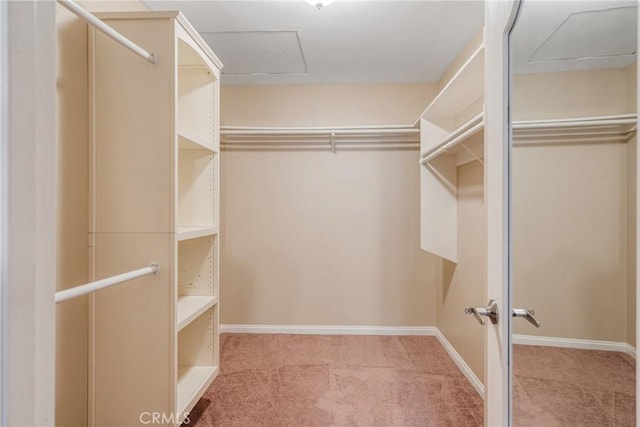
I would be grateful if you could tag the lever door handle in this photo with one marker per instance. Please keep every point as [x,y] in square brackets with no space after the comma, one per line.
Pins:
[527,315]
[490,311]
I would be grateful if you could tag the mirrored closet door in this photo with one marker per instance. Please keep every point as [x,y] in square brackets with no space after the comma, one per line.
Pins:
[573,212]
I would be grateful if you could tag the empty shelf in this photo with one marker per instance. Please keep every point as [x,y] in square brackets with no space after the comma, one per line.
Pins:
[191,142]
[192,383]
[186,233]
[190,307]
[466,86]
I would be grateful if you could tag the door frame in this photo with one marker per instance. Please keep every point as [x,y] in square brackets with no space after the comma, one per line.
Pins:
[27,212]
[499,19]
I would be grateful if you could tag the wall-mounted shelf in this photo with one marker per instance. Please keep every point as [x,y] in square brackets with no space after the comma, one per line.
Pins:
[600,129]
[454,142]
[613,128]
[192,142]
[461,92]
[318,138]
[186,233]
[190,307]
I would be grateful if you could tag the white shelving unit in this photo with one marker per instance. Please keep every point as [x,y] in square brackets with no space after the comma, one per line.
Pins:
[452,134]
[451,124]
[155,196]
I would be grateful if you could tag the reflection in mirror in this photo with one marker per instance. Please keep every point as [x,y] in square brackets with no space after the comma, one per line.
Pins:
[573,209]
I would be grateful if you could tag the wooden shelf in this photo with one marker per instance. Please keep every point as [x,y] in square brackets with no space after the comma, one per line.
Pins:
[192,142]
[186,233]
[464,88]
[454,142]
[190,307]
[192,383]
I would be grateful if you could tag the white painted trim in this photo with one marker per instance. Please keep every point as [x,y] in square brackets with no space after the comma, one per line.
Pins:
[328,330]
[29,213]
[4,241]
[462,365]
[622,347]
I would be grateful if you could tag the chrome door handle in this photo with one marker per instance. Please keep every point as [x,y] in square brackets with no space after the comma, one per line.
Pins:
[527,315]
[490,311]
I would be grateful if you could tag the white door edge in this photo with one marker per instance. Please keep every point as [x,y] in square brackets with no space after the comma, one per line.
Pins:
[499,19]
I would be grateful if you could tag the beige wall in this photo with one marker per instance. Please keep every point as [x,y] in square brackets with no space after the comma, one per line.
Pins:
[463,285]
[569,240]
[324,105]
[570,94]
[72,228]
[570,211]
[311,238]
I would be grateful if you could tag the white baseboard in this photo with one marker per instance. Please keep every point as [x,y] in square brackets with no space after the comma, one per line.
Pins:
[575,343]
[462,365]
[328,330]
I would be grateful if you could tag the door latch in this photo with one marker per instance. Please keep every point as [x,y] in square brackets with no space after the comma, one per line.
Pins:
[490,311]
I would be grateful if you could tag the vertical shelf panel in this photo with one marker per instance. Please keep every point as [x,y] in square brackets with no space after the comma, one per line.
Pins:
[133,133]
[132,336]
[438,198]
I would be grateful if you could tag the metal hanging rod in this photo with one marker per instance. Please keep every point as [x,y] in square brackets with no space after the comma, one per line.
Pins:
[619,119]
[317,131]
[110,32]
[88,288]
[318,138]
[468,129]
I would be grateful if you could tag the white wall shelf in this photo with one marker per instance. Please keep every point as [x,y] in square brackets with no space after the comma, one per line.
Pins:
[190,307]
[454,142]
[186,233]
[193,381]
[451,124]
[464,89]
[612,128]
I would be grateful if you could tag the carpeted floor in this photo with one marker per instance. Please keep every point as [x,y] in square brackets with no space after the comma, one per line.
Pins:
[312,380]
[571,387]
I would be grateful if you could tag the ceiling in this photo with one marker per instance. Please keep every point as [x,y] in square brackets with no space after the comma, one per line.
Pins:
[291,42]
[555,36]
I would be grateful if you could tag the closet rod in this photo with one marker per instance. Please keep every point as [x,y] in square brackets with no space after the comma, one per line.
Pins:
[81,290]
[98,24]
[625,119]
[316,131]
[428,156]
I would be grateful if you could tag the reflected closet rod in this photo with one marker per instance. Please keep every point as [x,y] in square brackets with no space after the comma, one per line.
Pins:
[98,24]
[81,290]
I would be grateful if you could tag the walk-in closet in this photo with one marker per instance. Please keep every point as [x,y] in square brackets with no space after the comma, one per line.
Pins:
[289,213]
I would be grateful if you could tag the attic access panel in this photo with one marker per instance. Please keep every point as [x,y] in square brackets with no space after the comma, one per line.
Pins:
[258,52]
[591,34]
